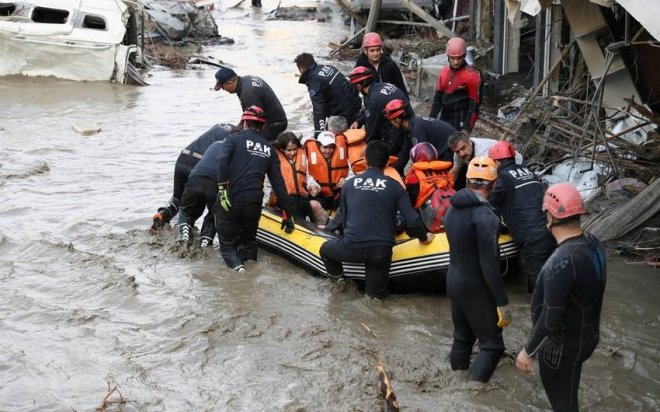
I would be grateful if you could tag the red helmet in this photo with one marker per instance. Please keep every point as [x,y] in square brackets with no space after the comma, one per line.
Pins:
[423,152]
[395,108]
[371,39]
[456,47]
[254,113]
[502,150]
[360,74]
[563,200]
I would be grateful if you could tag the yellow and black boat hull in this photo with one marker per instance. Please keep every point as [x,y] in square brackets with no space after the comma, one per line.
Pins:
[416,267]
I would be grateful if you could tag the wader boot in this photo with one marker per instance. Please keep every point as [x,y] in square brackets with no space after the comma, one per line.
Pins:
[184,235]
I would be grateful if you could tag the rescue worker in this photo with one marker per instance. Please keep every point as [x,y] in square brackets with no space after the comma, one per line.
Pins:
[518,196]
[242,163]
[426,174]
[328,165]
[368,209]
[184,164]
[254,91]
[457,92]
[567,301]
[201,191]
[377,96]
[330,92]
[466,148]
[420,129]
[384,68]
[474,283]
[300,185]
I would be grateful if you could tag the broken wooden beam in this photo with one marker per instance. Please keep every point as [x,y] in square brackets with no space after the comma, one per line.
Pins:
[443,31]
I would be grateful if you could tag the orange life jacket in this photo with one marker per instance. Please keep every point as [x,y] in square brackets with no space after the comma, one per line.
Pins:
[431,175]
[294,174]
[360,166]
[327,173]
[356,144]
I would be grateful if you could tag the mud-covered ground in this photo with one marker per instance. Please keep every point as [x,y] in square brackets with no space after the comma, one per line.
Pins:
[88,298]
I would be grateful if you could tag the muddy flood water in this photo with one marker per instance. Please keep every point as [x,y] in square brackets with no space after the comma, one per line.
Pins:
[88,298]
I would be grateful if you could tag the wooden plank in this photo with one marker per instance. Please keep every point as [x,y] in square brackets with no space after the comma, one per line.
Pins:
[443,31]
[352,13]
[374,12]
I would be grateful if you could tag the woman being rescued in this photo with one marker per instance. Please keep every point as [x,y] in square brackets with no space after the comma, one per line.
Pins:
[429,185]
[299,183]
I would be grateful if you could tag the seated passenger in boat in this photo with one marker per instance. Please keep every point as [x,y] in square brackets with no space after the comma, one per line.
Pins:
[328,164]
[299,183]
[429,185]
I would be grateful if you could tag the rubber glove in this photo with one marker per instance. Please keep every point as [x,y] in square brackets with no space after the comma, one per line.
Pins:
[287,223]
[503,317]
[223,196]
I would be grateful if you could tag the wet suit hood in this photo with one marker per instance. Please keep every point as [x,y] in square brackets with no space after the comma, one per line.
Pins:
[465,198]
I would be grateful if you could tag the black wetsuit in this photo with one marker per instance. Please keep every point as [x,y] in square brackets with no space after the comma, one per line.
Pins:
[518,196]
[331,95]
[434,131]
[388,71]
[474,284]
[243,161]
[367,212]
[201,191]
[379,128]
[566,308]
[191,155]
[254,91]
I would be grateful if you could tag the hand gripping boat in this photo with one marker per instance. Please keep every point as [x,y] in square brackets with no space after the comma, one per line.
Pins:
[416,268]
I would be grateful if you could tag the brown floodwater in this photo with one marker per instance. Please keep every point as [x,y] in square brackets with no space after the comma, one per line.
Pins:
[88,298]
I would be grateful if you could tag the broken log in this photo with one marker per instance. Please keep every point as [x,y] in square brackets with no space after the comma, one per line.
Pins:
[614,223]
[352,12]
[386,387]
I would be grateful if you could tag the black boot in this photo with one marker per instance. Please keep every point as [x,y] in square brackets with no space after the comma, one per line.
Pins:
[164,215]
[184,234]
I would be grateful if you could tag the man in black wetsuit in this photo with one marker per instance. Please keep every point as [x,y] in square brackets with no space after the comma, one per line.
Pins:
[186,161]
[517,196]
[367,212]
[242,164]
[376,97]
[474,283]
[329,90]
[385,69]
[420,129]
[567,301]
[201,191]
[254,91]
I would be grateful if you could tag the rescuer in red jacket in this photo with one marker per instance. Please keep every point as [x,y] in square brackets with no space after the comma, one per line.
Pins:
[457,91]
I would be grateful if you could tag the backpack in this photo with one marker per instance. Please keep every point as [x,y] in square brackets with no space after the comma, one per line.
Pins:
[434,209]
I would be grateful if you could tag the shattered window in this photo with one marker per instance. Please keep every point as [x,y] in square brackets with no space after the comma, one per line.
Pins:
[94,22]
[7,9]
[50,16]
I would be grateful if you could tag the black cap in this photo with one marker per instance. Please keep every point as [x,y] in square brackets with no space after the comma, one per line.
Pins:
[222,76]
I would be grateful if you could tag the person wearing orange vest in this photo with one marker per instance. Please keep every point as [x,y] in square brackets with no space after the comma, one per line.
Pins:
[299,183]
[426,174]
[328,164]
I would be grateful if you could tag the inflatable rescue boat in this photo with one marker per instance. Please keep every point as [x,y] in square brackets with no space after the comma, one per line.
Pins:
[416,267]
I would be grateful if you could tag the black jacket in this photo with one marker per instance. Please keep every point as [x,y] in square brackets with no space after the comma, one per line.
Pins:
[215,133]
[368,206]
[379,128]
[243,161]
[207,166]
[518,196]
[253,90]
[474,266]
[331,94]
[434,131]
[388,71]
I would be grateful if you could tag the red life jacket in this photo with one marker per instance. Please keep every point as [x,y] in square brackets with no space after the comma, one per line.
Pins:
[431,176]
[356,144]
